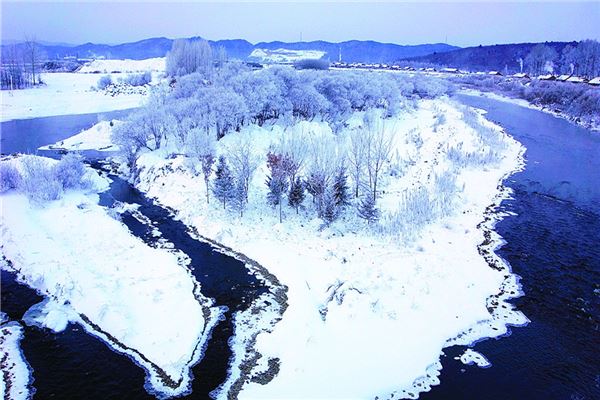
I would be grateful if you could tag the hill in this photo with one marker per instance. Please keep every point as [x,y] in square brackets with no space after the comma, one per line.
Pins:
[486,58]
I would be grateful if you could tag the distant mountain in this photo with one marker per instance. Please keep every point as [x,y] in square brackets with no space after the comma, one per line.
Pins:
[486,58]
[352,51]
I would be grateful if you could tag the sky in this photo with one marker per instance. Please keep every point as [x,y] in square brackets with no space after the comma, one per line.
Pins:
[458,23]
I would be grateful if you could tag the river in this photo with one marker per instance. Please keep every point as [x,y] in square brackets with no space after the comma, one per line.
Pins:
[552,241]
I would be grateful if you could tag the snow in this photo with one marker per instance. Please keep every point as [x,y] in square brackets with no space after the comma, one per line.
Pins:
[64,94]
[16,376]
[142,301]
[108,66]
[95,138]
[285,55]
[470,357]
[368,314]
[50,314]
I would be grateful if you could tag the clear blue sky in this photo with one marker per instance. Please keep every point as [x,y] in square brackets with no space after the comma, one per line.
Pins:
[462,24]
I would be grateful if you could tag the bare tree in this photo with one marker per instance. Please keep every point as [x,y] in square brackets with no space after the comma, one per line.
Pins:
[356,157]
[201,146]
[378,147]
[243,162]
[34,56]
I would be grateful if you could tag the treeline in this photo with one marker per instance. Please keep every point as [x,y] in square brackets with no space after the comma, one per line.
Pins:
[577,101]
[21,65]
[582,59]
[216,98]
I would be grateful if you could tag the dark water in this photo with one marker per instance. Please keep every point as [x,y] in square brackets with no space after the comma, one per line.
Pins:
[75,365]
[553,243]
[26,135]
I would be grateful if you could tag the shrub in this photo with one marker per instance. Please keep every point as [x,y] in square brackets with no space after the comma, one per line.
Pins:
[104,82]
[138,79]
[70,172]
[39,182]
[10,178]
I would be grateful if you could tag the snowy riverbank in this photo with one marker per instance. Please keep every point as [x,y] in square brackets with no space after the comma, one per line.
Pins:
[142,301]
[594,125]
[374,309]
[16,378]
[64,94]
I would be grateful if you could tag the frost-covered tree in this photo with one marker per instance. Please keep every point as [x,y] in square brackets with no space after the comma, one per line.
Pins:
[539,57]
[200,146]
[357,157]
[188,56]
[243,161]
[238,202]
[316,183]
[277,182]
[378,147]
[341,191]
[329,212]
[223,185]
[367,209]
[296,195]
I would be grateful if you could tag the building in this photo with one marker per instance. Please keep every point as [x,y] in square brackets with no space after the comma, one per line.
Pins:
[595,81]
[496,73]
[521,75]
[577,79]
[548,77]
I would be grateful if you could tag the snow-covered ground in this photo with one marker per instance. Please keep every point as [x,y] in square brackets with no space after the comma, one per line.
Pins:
[285,55]
[369,313]
[16,378]
[470,357]
[95,138]
[64,94]
[108,66]
[143,301]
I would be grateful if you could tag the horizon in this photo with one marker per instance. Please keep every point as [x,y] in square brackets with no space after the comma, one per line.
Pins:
[402,23]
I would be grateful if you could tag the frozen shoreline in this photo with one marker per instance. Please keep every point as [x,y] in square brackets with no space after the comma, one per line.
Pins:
[526,104]
[142,301]
[16,381]
[372,300]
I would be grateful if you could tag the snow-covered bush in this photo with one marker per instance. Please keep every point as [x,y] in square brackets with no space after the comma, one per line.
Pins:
[419,206]
[138,79]
[39,182]
[70,172]
[10,178]
[104,82]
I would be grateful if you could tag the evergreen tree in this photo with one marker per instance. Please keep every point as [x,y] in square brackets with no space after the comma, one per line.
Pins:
[296,194]
[315,185]
[239,200]
[277,184]
[330,210]
[367,209]
[224,186]
[341,193]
